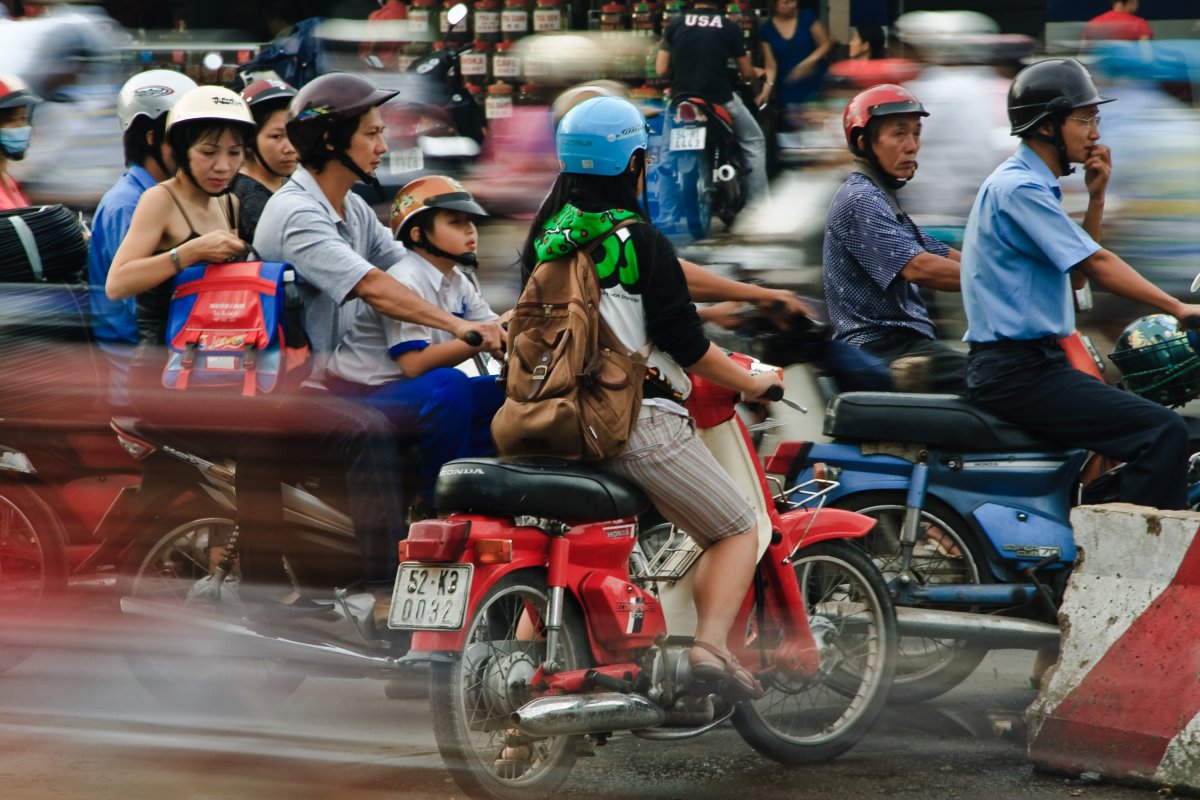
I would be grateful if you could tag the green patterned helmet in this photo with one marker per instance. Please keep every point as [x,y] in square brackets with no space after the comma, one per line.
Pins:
[1158,361]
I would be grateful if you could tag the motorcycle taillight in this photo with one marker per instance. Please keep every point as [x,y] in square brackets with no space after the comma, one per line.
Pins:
[435,540]
[689,112]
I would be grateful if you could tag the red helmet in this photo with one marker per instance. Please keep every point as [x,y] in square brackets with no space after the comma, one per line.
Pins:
[265,90]
[884,100]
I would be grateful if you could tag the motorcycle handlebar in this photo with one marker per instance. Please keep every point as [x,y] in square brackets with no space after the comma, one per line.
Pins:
[473,338]
[774,394]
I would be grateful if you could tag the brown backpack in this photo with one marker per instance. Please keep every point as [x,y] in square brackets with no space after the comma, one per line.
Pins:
[572,392]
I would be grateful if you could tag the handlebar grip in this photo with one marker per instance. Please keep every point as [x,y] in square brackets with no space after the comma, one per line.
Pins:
[473,338]
[774,394]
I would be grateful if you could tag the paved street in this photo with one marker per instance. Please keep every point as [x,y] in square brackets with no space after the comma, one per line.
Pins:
[77,725]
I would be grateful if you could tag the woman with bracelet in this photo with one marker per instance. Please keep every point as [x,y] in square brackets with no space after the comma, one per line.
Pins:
[187,219]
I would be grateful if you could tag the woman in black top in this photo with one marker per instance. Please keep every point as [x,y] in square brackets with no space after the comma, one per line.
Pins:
[270,156]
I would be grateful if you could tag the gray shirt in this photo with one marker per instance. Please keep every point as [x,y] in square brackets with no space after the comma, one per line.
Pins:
[331,255]
[367,354]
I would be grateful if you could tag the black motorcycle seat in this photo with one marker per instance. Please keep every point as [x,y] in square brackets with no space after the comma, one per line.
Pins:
[536,487]
[933,420]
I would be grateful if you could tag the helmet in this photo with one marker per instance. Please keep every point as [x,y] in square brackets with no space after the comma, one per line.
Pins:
[1046,88]
[947,37]
[598,136]
[1158,360]
[150,94]
[210,103]
[268,91]
[326,101]
[431,191]
[15,92]
[576,94]
[884,100]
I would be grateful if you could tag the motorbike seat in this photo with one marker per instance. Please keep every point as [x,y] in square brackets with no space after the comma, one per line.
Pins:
[721,112]
[933,420]
[537,487]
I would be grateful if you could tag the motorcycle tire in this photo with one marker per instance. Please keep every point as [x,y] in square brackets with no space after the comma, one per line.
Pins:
[472,697]
[926,667]
[164,566]
[814,720]
[33,564]
[696,197]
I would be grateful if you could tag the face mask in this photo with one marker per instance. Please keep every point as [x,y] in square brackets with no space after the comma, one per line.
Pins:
[15,141]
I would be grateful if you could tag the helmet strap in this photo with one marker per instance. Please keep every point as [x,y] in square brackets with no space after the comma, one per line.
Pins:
[467,259]
[1060,146]
[187,170]
[361,174]
[156,152]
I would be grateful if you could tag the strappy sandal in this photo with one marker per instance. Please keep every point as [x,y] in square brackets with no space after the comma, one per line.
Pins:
[737,680]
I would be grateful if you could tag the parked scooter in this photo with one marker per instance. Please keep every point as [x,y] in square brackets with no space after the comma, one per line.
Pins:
[704,170]
[549,625]
[973,513]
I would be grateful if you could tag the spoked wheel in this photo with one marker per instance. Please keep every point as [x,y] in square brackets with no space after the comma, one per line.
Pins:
[946,552]
[174,568]
[473,697]
[804,721]
[33,565]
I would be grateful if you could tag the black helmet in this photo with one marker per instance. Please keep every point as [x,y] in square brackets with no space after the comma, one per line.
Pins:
[326,101]
[1046,88]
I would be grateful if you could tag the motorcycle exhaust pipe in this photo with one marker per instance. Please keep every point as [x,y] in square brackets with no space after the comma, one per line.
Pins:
[245,641]
[1005,633]
[724,173]
[602,712]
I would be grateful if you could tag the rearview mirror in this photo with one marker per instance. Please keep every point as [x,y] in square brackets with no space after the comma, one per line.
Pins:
[456,14]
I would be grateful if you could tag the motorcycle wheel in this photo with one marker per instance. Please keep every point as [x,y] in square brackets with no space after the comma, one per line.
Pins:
[164,567]
[472,697]
[696,193]
[813,720]
[33,562]
[950,553]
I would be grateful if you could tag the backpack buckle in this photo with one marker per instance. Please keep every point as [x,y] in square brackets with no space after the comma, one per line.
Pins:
[250,357]
[188,360]
[539,373]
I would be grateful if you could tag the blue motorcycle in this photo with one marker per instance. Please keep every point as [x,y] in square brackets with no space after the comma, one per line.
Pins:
[973,513]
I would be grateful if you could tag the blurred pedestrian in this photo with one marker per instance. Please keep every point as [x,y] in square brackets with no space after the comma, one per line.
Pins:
[795,45]
[868,42]
[142,106]
[16,112]
[386,50]
[1120,23]
[875,257]
[270,156]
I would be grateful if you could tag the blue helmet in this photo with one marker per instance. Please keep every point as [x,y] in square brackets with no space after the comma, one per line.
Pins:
[598,136]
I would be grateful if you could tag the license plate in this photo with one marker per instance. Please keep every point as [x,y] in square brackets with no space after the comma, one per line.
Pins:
[688,138]
[430,598]
[410,159]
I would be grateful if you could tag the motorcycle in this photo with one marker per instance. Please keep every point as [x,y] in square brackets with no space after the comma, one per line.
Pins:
[703,169]
[549,623]
[973,518]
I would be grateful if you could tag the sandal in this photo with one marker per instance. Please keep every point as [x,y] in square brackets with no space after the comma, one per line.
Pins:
[739,683]
[513,759]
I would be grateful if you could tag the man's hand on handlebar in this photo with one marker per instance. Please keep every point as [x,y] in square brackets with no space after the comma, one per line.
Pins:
[782,303]
[482,336]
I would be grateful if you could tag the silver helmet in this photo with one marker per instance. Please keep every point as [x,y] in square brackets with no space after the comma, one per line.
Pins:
[150,94]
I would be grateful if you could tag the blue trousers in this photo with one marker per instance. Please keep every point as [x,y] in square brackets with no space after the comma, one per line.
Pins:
[449,412]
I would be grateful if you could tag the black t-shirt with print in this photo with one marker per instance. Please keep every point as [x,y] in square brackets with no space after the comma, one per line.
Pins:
[701,42]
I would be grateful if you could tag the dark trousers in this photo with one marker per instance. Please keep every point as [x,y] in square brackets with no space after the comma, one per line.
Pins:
[1034,386]
[947,366]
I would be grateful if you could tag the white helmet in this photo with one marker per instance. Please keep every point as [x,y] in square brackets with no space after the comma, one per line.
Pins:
[150,94]
[210,102]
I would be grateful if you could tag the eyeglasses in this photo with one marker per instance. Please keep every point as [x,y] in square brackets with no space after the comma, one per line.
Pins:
[1091,122]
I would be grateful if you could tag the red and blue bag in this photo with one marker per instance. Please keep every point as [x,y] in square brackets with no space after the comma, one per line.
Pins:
[225,327]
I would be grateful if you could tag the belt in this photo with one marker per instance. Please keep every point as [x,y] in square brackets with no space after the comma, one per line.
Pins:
[1044,341]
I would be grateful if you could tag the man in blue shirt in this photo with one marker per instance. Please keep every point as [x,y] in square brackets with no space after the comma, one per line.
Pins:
[1022,255]
[875,257]
[142,106]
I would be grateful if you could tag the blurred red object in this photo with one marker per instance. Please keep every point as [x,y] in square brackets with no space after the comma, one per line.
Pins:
[863,74]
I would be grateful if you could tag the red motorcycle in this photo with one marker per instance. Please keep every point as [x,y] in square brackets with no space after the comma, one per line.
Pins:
[550,624]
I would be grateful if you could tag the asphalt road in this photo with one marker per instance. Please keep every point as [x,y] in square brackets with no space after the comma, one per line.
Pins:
[76,724]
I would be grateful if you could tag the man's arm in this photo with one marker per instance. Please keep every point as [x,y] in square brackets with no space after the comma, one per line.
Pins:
[1113,273]
[662,62]
[931,271]
[706,287]
[393,299]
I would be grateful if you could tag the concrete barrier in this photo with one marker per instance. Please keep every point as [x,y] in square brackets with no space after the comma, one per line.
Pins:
[1124,699]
